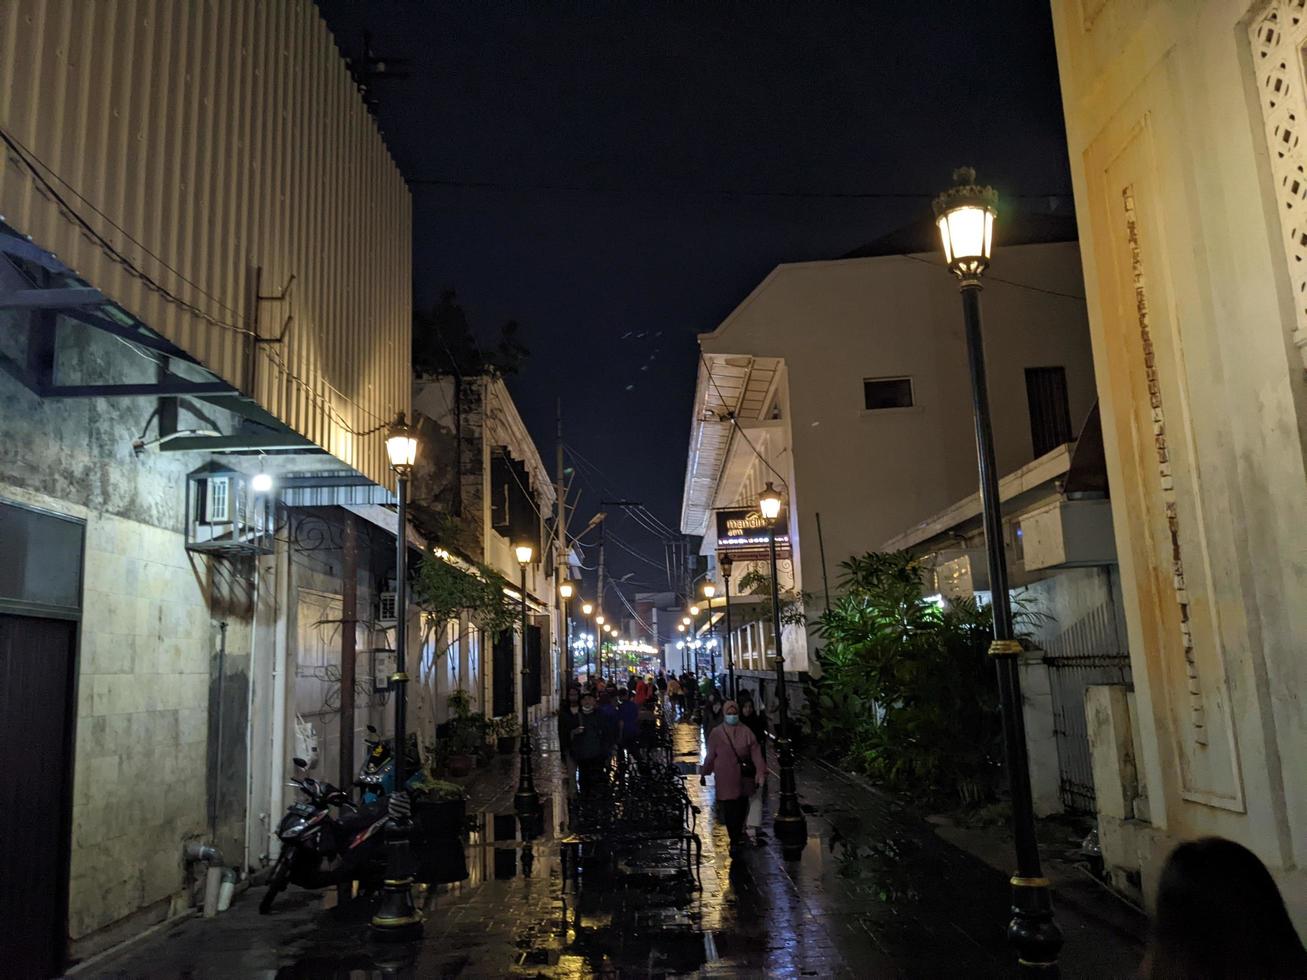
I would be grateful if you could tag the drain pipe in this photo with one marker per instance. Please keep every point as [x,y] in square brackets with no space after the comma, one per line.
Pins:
[211,857]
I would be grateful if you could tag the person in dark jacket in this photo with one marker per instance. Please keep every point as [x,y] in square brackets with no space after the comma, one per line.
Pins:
[569,716]
[592,745]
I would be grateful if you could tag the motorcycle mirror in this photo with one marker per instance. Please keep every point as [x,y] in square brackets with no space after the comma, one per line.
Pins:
[300,763]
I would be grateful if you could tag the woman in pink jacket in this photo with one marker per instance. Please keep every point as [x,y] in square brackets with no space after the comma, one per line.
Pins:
[735,758]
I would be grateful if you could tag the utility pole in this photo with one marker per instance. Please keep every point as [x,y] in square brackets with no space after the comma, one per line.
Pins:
[564,654]
[599,598]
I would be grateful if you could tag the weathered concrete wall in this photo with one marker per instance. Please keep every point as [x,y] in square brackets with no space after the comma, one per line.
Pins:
[1183,127]
[147,659]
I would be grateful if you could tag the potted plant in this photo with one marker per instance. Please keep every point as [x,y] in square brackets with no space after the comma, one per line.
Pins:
[439,807]
[466,735]
[506,731]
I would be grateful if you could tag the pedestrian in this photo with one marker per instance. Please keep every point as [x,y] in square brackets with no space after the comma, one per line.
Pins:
[662,681]
[712,715]
[735,759]
[591,746]
[643,691]
[675,696]
[569,717]
[1220,917]
[628,724]
[755,720]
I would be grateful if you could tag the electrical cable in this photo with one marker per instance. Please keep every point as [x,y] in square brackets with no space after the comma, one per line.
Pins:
[799,195]
[736,422]
[1007,282]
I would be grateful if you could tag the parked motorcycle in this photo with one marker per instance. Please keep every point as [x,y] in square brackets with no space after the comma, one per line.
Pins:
[376,778]
[318,849]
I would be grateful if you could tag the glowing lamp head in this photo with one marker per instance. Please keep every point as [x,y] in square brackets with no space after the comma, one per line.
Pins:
[685,620]
[401,446]
[565,590]
[769,503]
[587,608]
[680,627]
[709,590]
[600,619]
[524,553]
[261,483]
[965,216]
[694,610]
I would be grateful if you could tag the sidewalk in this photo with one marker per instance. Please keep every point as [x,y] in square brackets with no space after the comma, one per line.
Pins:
[876,893]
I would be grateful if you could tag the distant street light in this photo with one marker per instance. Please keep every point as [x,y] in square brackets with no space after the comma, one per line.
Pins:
[790,825]
[526,801]
[396,919]
[726,563]
[710,590]
[965,216]
[586,609]
[565,592]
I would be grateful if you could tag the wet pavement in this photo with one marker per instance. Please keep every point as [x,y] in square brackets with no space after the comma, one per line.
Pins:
[875,893]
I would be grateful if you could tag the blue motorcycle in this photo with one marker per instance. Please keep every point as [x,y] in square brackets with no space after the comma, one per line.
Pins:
[376,778]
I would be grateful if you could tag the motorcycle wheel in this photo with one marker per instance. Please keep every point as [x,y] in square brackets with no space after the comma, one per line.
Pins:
[278,880]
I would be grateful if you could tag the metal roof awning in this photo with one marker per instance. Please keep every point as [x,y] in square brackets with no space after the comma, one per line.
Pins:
[731,388]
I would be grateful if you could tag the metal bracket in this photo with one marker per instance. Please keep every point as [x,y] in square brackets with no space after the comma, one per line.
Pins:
[281,295]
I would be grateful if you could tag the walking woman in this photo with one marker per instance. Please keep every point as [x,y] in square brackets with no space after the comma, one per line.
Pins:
[756,722]
[735,758]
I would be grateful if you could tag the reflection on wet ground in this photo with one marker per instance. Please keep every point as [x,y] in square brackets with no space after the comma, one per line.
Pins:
[874,893]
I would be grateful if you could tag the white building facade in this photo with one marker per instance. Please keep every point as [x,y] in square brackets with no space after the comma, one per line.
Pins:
[844,383]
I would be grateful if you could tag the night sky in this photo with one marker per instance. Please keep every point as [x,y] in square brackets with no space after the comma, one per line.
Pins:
[618,176]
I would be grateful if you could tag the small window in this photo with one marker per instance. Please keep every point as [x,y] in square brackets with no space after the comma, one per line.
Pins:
[216,510]
[879,393]
[1050,408]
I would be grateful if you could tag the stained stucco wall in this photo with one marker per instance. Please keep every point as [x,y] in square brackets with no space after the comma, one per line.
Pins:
[1194,322]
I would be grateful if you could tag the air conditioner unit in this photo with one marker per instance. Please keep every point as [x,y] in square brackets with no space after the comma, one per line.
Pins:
[1068,534]
[387,604]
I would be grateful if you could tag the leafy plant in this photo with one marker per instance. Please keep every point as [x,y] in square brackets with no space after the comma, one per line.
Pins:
[908,694]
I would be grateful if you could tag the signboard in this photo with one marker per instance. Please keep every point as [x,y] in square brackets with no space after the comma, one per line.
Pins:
[742,534]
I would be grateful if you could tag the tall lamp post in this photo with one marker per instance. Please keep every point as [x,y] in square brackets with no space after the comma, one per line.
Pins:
[526,801]
[565,592]
[586,609]
[396,918]
[790,825]
[680,645]
[600,632]
[726,564]
[694,636]
[965,216]
[710,590]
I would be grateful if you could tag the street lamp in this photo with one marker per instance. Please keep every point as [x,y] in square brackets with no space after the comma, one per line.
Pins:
[526,801]
[965,216]
[710,590]
[599,639]
[726,563]
[790,825]
[396,919]
[565,592]
[586,609]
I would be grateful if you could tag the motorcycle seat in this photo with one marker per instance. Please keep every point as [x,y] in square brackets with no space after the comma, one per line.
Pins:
[367,814]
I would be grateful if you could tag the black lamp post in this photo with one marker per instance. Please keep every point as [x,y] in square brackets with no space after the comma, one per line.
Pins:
[726,564]
[396,918]
[965,215]
[710,590]
[565,591]
[586,610]
[600,632]
[790,825]
[526,801]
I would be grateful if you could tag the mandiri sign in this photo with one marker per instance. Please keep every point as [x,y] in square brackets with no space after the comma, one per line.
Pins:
[742,533]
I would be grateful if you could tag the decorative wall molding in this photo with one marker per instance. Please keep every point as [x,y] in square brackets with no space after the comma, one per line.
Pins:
[1197,716]
[1278,36]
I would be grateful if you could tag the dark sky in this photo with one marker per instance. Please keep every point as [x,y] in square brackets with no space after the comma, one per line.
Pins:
[634,153]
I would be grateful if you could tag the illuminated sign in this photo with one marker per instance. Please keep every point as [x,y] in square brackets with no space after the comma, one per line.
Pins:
[742,532]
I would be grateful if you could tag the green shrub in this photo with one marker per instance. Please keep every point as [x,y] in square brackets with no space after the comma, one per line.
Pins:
[908,695]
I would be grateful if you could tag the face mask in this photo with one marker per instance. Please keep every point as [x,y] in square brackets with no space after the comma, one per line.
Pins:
[588,711]
[732,719]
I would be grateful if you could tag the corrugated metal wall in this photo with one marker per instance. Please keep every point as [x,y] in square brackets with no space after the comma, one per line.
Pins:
[203,139]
